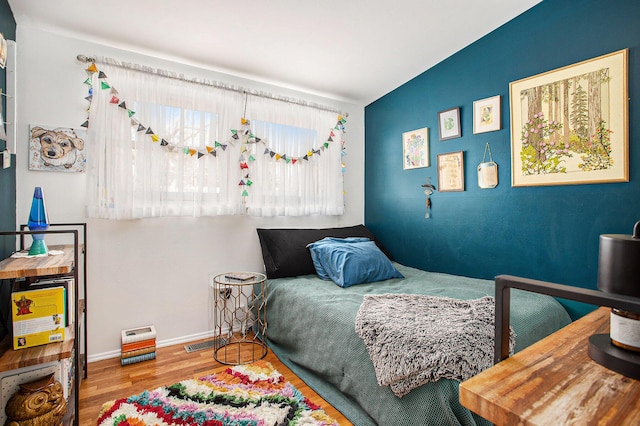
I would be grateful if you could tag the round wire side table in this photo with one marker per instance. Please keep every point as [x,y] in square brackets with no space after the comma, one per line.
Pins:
[239,317]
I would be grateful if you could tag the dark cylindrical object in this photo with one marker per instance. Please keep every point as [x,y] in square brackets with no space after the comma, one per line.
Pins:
[619,263]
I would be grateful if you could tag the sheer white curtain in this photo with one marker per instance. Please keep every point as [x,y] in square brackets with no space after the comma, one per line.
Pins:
[294,188]
[132,176]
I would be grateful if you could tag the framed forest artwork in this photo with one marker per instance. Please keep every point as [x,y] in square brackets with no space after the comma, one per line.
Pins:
[570,125]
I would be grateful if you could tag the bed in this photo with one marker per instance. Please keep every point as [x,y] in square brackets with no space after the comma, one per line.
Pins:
[312,326]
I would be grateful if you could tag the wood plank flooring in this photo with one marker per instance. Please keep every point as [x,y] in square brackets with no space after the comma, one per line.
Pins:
[108,380]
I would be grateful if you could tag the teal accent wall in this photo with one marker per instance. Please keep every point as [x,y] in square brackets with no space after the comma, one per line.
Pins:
[7,183]
[548,233]
[7,176]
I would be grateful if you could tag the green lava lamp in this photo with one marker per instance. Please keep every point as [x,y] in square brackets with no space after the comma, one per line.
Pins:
[38,221]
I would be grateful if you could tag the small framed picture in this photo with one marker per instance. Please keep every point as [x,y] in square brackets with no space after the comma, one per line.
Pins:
[3,51]
[415,148]
[451,172]
[449,124]
[486,115]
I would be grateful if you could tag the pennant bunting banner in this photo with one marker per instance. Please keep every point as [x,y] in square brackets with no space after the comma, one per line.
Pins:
[243,134]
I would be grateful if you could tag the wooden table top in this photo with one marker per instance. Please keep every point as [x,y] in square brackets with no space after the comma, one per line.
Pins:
[555,382]
[11,268]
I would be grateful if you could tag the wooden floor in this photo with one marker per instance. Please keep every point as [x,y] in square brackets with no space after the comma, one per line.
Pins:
[108,380]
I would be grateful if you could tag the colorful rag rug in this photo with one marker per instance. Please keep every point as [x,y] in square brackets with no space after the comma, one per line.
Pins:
[244,395]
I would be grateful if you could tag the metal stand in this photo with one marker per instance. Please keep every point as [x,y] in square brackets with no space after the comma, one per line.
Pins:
[239,317]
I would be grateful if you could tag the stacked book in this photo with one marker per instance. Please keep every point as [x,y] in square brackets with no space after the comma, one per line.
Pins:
[138,344]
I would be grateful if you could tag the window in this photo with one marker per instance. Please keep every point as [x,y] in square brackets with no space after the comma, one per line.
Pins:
[171,152]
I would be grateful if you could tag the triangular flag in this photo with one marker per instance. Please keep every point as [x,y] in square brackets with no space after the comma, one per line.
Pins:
[306,157]
[245,193]
[104,85]
[209,149]
[224,147]
[185,150]
[89,98]
[114,100]
[326,144]
[155,138]
[258,140]
[217,144]
[288,160]
[244,166]
[271,153]
[88,81]
[163,142]
[130,113]
[293,160]
[252,158]
[200,154]
[114,91]
[92,68]
[278,157]
[266,150]
[140,127]
[149,131]
[123,105]
[214,153]
[249,183]
[235,136]
[241,183]
[244,121]
[102,75]
[192,151]
[85,124]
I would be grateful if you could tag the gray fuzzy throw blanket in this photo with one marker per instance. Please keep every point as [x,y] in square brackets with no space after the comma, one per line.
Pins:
[415,339]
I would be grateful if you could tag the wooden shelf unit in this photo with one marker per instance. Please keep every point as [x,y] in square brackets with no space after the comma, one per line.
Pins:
[65,265]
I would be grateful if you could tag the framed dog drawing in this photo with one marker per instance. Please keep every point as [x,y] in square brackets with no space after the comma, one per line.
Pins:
[58,149]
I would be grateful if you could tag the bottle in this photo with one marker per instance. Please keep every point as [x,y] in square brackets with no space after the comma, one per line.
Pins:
[625,329]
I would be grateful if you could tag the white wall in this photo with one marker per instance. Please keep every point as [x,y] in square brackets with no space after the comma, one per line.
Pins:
[152,271]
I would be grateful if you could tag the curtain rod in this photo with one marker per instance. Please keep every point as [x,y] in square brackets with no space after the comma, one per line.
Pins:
[216,84]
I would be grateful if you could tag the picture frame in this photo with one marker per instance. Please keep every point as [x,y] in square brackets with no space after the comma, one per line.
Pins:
[449,124]
[57,149]
[487,115]
[415,149]
[3,51]
[451,171]
[578,136]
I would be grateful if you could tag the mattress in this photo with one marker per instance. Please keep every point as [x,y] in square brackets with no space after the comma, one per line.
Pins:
[311,328]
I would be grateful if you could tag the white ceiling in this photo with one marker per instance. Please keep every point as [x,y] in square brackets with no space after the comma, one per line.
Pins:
[349,50]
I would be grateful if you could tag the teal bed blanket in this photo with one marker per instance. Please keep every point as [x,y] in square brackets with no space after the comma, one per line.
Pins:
[311,328]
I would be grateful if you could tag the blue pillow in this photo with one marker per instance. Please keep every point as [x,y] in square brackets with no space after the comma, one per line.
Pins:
[315,256]
[351,261]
